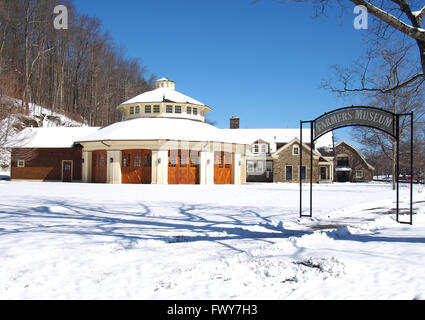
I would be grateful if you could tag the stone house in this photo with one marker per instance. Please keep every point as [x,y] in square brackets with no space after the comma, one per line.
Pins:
[286,164]
[350,165]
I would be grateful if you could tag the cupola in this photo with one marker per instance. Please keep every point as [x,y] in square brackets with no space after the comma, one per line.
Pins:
[164,102]
[165,83]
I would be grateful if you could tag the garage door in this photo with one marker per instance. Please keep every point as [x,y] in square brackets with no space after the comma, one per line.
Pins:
[99,166]
[136,167]
[222,167]
[183,167]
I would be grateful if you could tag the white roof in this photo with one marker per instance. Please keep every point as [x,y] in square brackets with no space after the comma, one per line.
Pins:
[161,94]
[53,137]
[279,136]
[144,129]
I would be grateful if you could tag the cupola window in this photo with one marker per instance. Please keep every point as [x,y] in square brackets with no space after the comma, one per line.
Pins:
[189,110]
[148,109]
[156,109]
[178,109]
[169,109]
[195,111]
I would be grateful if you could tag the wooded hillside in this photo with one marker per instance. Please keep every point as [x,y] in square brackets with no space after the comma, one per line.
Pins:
[79,71]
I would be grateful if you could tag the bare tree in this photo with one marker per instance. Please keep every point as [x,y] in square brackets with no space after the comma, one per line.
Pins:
[392,19]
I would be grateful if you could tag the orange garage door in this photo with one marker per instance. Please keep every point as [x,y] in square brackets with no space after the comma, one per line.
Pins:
[99,166]
[136,167]
[222,167]
[183,167]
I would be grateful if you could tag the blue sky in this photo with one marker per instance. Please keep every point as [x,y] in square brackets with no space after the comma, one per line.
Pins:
[260,60]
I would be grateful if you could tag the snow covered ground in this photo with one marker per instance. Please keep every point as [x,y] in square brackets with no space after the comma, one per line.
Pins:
[86,241]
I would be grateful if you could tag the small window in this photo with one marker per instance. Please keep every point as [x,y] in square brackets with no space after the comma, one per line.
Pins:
[94,160]
[21,163]
[137,160]
[184,158]
[194,159]
[169,109]
[303,173]
[343,162]
[195,111]
[189,110]
[295,151]
[250,166]
[148,160]
[156,109]
[260,167]
[126,160]
[131,110]
[288,174]
[137,109]
[173,158]
[178,109]
[256,148]
[148,109]
[269,166]
[101,160]
[359,174]
[263,148]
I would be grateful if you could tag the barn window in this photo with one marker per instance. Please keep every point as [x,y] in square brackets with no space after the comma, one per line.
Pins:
[227,158]
[126,160]
[194,159]
[21,163]
[137,160]
[148,160]
[173,158]
[101,160]
[184,158]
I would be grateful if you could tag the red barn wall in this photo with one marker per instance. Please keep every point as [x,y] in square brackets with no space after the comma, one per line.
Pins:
[45,164]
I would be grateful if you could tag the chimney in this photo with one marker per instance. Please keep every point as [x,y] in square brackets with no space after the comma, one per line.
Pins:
[234,122]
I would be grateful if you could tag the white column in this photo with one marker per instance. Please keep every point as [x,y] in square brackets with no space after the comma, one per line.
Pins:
[206,170]
[236,168]
[113,167]
[159,166]
[87,165]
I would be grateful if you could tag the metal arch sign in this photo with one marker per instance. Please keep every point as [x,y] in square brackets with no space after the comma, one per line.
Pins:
[365,116]
[355,116]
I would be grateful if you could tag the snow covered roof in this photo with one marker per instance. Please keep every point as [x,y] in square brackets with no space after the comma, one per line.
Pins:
[54,137]
[279,136]
[144,129]
[161,95]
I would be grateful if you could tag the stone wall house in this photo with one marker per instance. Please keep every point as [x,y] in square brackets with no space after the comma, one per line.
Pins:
[350,165]
[286,164]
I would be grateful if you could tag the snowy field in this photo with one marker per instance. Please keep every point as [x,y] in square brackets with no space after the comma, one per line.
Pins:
[84,241]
